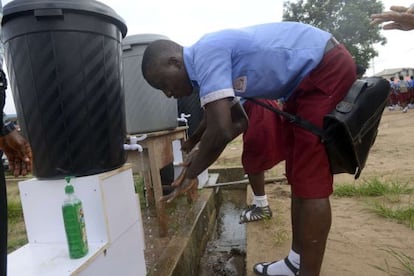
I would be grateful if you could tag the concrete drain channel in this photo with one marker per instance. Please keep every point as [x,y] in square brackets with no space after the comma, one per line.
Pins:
[225,251]
[209,239]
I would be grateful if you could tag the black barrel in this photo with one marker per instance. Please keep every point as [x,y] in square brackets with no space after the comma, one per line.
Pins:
[64,60]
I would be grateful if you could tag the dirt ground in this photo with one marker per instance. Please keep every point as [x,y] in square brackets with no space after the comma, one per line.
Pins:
[359,240]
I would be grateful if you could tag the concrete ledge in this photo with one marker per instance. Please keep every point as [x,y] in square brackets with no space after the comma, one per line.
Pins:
[228,174]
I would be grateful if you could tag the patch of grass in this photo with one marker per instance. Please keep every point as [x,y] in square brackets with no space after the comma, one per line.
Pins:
[14,210]
[17,236]
[276,226]
[140,189]
[387,195]
[372,187]
[401,214]
[406,261]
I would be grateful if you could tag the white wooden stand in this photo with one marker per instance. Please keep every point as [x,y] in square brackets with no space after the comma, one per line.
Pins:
[178,159]
[113,225]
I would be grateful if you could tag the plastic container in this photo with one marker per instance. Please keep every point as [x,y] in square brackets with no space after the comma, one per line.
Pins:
[74,221]
[147,109]
[65,69]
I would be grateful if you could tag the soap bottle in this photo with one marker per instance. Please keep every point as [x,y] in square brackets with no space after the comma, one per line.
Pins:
[74,222]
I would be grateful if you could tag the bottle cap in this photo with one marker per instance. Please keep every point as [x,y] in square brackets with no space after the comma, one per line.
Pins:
[69,189]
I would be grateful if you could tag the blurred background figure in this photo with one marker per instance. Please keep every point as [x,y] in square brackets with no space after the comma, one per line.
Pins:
[360,70]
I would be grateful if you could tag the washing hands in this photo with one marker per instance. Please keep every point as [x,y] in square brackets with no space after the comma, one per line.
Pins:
[183,185]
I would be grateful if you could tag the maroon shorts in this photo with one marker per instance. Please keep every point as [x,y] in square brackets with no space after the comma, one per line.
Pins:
[393,98]
[403,97]
[262,142]
[307,165]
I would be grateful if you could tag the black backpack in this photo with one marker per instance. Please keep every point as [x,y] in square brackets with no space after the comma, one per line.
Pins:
[349,131]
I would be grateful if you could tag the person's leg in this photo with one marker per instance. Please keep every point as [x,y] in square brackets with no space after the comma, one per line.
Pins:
[309,169]
[312,219]
[262,149]
[259,209]
[257,181]
[290,265]
[312,181]
[307,165]
[311,222]
[404,101]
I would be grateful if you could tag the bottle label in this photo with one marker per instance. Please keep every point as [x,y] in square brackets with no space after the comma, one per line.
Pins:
[74,221]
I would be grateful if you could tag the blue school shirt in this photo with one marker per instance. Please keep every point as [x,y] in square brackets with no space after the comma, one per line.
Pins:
[264,61]
[411,83]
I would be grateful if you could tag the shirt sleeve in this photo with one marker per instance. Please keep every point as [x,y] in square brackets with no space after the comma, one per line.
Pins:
[213,68]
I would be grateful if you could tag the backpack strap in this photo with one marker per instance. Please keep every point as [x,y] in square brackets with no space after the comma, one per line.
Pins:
[348,101]
[293,119]
[343,106]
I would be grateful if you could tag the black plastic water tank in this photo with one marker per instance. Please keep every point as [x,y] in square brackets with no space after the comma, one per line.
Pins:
[64,62]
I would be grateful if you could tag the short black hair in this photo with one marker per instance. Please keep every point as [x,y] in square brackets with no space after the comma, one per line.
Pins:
[156,50]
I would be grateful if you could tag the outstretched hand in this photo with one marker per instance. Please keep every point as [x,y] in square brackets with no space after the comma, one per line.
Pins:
[400,18]
[18,152]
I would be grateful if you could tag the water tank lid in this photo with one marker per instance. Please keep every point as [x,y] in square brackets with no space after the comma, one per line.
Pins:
[141,39]
[91,6]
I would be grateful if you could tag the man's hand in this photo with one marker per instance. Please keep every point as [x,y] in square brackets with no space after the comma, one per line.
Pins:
[187,162]
[182,184]
[185,185]
[18,152]
[188,145]
[402,18]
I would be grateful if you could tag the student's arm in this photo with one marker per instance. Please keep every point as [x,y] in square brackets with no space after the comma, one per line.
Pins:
[225,120]
[188,145]
[237,114]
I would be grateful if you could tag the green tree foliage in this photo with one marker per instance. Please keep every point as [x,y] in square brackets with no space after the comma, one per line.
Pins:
[347,20]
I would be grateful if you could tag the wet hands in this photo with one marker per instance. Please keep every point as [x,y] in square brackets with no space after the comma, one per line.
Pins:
[189,145]
[183,185]
[18,152]
[186,186]
[402,18]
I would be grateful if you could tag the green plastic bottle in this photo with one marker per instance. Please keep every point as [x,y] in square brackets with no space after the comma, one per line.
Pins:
[74,221]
